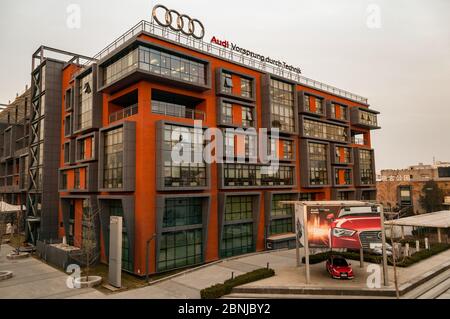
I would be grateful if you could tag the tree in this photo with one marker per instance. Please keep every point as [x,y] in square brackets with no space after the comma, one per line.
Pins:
[89,252]
[432,197]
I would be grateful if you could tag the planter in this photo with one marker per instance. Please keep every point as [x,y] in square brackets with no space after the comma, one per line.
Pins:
[92,282]
[5,275]
[14,255]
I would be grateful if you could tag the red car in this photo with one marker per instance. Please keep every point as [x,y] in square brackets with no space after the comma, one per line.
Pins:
[355,227]
[339,268]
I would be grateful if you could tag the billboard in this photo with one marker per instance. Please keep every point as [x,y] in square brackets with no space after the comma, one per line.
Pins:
[340,227]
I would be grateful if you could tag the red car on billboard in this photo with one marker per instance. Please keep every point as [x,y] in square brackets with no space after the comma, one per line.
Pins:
[355,227]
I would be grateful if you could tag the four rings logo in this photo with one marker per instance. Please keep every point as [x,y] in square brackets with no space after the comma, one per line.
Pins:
[179,22]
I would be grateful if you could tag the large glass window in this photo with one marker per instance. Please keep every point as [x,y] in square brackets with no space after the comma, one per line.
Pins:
[189,174]
[120,67]
[366,167]
[257,175]
[180,249]
[113,164]
[172,66]
[182,212]
[367,118]
[238,208]
[324,130]
[279,209]
[281,226]
[318,165]
[237,239]
[282,107]
[85,91]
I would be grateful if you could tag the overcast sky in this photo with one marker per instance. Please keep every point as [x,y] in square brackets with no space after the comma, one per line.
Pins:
[399,59]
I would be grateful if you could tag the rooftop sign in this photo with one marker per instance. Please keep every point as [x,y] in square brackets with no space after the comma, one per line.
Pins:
[229,45]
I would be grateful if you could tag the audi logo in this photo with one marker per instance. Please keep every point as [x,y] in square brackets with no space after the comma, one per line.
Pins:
[179,22]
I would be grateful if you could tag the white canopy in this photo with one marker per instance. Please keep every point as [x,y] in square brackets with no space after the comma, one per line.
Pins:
[8,208]
[439,219]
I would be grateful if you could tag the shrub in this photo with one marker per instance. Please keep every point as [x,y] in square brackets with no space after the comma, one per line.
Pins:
[219,290]
[424,254]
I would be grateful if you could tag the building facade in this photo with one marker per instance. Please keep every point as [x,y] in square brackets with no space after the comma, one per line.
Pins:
[400,188]
[103,131]
[14,133]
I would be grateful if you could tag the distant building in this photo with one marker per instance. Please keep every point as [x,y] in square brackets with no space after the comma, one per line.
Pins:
[398,188]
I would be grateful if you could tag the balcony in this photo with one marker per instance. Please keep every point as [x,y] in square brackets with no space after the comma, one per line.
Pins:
[176,110]
[364,117]
[124,113]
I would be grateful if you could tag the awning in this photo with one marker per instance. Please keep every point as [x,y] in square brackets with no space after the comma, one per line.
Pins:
[439,219]
[8,208]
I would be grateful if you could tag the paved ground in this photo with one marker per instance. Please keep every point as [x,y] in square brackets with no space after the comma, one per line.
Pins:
[445,295]
[34,279]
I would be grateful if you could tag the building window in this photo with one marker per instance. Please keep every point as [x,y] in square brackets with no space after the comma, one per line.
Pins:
[227,113]
[367,118]
[247,117]
[238,208]
[229,144]
[246,88]
[172,66]
[288,150]
[282,108]
[64,180]
[405,195]
[227,82]
[343,155]
[279,209]
[318,164]
[71,234]
[319,106]
[338,112]
[343,177]
[191,174]
[85,102]
[257,175]
[66,153]
[117,69]
[182,212]
[343,196]
[67,125]
[180,249]
[326,131]
[306,103]
[113,165]
[281,226]
[76,183]
[366,167]
[237,238]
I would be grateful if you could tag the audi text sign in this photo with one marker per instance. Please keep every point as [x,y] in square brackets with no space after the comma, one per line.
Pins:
[232,46]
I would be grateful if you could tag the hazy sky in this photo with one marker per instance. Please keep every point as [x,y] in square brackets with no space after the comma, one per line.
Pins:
[403,66]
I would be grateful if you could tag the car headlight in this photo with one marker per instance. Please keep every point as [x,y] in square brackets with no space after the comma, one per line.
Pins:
[342,232]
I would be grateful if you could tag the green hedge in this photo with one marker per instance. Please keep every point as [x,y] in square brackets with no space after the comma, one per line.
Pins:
[424,254]
[220,290]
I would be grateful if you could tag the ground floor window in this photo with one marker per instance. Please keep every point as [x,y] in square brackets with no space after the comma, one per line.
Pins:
[281,226]
[237,239]
[180,249]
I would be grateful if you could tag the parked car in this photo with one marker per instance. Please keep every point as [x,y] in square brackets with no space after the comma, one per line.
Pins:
[339,268]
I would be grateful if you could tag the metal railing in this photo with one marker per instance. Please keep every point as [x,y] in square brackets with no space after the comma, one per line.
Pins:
[175,110]
[124,113]
[222,53]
